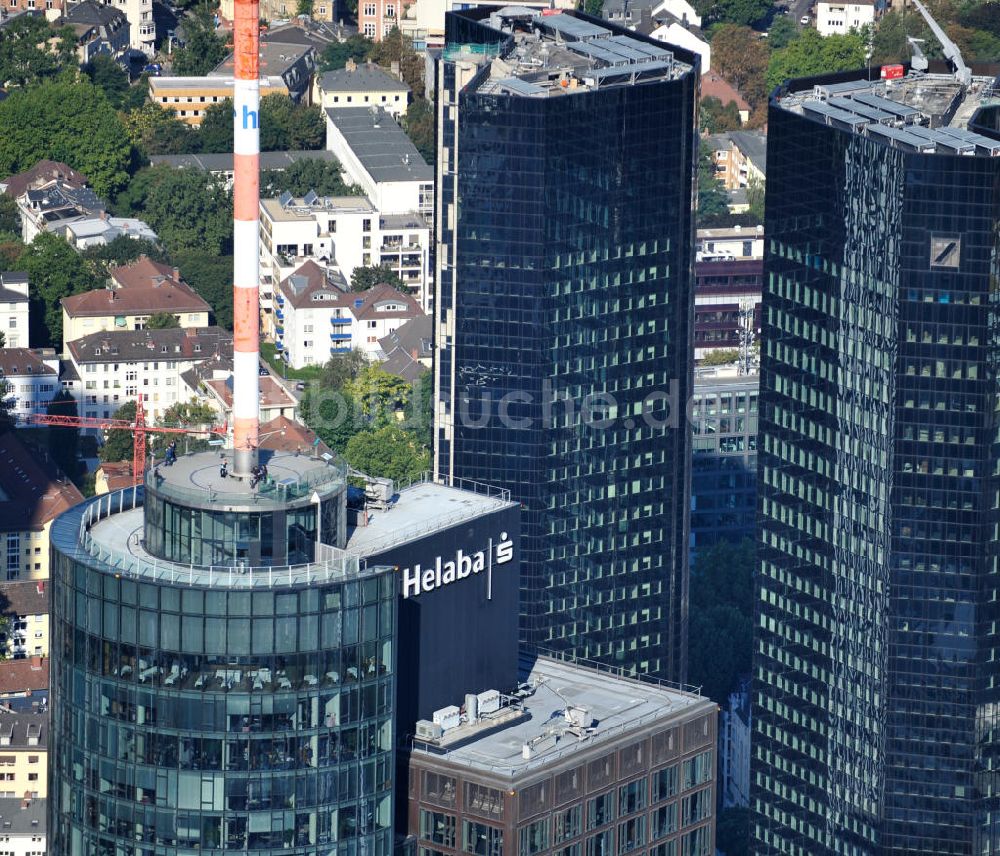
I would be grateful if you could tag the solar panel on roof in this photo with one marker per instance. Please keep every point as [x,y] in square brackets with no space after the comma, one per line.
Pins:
[650,50]
[597,50]
[834,89]
[852,106]
[842,117]
[942,140]
[624,71]
[625,46]
[571,27]
[520,87]
[901,137]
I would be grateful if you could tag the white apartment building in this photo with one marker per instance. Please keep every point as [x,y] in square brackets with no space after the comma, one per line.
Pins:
[142,27]
[23,825]
[377,156]
[29,380]
[317,320]
[14,308]
[837,19]
[340,233]
[118,366]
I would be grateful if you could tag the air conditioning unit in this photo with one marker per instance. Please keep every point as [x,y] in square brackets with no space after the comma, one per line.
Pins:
[578,717]
[448,717]
[489,701]
[427,730]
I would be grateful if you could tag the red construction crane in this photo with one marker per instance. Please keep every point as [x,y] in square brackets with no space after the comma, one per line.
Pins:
[139,428]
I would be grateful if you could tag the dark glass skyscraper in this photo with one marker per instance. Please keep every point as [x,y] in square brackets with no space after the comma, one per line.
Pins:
[563,316]
[876,700]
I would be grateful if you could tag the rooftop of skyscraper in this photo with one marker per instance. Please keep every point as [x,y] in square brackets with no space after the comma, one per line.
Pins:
[561,709]
[910,110]
[557,53]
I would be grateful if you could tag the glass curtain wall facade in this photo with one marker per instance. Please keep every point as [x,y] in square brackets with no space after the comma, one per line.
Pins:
[563,335]
[875,692]
[189,717]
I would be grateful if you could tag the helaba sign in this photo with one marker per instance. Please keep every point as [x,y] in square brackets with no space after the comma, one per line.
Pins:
[418,579]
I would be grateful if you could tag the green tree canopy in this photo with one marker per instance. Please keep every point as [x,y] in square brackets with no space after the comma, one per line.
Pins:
[336,55]
[333,414]
[69,121]
[395,47]
[715,117]
[122,251]
[388,452]
[155,131]
[211,276]
[55,271]
[720,357]
[340,370]
[782,31]
[741,57]
[10,219]
[25,57]
[118,443]
[163,321]
[742,12]
[420,408]
[304,175]
[812,54]
[215,134]
[379,394]
[364,278]
[420,126]
[713,201]
[189,209]
[203,47]
[109,77]
[284,126]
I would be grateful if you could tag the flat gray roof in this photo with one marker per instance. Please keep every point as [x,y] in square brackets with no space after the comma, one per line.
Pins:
[224,162]
[421,510]
[616,707]
[383,148]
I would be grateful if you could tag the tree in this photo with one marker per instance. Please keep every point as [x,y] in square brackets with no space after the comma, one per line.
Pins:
[215,134]
[137,94]
[336,55]
[64,441]
[388,452]
[782,31]
[55,271]
[755,199]
[304,7]
[69,121]
[395,47]
[713,201]
[122,251]
[287,126]
[10,219]
[379,394]
[812,54]
[211,276]
[720,357]
[109,77]
[420,408]
[739,55]
[342,369]
[24,54]
[156,131]
[118,442]
[203,48]
[364,278]
[716,118]
[184,414]
[300,177]
[419,125]
[593,7]
[163,321]
[742,12]
[189,209]
[333,414]
[732,835]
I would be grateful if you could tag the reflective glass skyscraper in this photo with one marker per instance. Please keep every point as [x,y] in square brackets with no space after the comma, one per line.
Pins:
[563,315]
[876,685]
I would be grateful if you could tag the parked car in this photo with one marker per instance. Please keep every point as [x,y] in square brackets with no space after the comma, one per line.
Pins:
[153,68]
[804,20]
[300,386]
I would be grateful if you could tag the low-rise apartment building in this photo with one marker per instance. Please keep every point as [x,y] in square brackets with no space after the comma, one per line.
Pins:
[29,380]
[364,85]
[189,97]
[99,28]
[25,605]
[15,308]
[42,174]
[118,366]
[99,231]
[33,492]
[23,756]
[838,19]
[55,206]
[378,156]
[24,685]
[134,293]
[22,825]
[340,234]
[293,62]
[316,319]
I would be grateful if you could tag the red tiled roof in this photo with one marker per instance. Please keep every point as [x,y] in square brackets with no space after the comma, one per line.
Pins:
[712,84]
[15,362]
[118,474]
[272,394]
[287,435]
[379,294]
[141,288]
[42,173]
[33,492]
[19,676]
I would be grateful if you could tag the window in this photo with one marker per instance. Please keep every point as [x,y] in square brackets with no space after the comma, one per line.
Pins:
[664,820]
[696,807]
[697,770]
[390,11]
[632,797]
[366,225]
[697,843]
[600,810]
[534,837]
[13,555]
[12,322]
[567,824]
[369,10]
[482,839]
[631,834]
[600,845]
[664,783]
[437,827]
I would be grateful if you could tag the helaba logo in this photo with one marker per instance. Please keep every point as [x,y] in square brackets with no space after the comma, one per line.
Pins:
[419,579]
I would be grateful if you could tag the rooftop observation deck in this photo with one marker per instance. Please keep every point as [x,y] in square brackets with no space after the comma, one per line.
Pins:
[919,112]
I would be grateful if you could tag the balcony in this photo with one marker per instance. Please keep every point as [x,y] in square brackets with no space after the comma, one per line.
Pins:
[342,350]
[335,320]
[278,346]
[340,337]
[281,300]
[279,314]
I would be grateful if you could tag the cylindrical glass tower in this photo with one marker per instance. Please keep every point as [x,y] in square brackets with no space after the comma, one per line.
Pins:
[222,673]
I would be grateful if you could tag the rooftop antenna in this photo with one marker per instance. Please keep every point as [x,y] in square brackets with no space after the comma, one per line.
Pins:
[246,236]
[962,73]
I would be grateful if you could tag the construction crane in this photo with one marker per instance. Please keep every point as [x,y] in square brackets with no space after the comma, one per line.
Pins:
[139,429]
[962,73]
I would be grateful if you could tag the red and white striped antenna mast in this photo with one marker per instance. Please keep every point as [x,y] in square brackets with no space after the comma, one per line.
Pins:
[246,235]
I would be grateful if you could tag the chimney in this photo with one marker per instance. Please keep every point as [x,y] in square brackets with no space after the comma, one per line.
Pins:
[40,588]
[394,67]
[36,663]
[177,274]
[246,235]
[351,65]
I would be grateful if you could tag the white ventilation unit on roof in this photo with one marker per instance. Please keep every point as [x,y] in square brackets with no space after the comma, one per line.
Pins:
[447,717]
[427,730]
[489,701]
